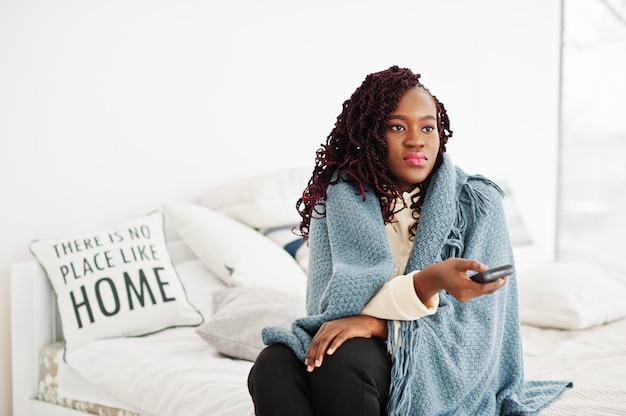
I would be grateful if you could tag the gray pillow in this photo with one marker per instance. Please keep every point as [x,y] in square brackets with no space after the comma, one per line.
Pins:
[240,313]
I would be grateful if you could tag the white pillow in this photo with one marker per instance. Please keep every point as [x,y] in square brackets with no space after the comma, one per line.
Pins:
[200,284]
[260,201]
[566,295]
[236,253]
[114,283]
[240,315]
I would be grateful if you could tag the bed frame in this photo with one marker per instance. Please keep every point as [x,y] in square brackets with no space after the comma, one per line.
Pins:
[33,325]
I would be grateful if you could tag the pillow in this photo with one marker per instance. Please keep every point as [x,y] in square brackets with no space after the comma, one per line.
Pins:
[292,243]
[200,284]
[236,253]
[240,315]
[114,283]
[260,201]
[566,295]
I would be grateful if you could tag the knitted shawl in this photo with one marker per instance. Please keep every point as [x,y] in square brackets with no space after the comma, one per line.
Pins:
[466,359]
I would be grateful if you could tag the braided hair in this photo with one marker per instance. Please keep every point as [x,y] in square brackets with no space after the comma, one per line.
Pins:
[357,146]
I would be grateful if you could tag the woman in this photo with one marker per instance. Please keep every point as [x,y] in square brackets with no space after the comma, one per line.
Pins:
[395,325]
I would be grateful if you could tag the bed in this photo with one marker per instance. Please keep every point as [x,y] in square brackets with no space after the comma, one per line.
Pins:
[194,367]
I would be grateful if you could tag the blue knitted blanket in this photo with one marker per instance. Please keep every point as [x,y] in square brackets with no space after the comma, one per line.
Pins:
[466,359]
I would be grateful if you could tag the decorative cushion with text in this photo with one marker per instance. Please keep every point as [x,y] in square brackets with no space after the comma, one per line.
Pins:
[115,283]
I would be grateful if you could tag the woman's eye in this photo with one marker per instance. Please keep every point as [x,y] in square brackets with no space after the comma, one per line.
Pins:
[396,127]
[428,129]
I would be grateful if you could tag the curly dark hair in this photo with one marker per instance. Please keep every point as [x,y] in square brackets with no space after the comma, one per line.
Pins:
[357,147]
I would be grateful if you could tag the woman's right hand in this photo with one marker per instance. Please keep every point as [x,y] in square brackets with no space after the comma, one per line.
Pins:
[451,275]
[333,334]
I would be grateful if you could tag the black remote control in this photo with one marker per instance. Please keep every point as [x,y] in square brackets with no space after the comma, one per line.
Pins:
[492,274]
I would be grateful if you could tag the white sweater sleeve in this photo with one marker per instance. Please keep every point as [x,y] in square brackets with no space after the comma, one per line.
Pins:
[397,300]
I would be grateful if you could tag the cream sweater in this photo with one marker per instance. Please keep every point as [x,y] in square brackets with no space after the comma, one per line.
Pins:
[397,299]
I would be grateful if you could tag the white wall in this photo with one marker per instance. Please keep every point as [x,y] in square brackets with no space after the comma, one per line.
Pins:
[108,109]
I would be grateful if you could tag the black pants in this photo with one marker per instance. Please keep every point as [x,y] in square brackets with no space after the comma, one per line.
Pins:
[353,381]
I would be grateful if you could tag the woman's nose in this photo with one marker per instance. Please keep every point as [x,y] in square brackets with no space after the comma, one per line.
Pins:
[414,139]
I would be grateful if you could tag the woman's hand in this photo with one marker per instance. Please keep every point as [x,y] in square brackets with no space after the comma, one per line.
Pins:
[332,334]
[451,275]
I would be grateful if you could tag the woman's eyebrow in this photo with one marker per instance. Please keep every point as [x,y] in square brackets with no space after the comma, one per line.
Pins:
[403,117]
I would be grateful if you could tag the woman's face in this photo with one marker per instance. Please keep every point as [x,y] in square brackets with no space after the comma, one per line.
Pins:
[412,139]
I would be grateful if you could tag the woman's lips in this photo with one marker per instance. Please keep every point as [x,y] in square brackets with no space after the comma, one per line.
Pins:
[416,159]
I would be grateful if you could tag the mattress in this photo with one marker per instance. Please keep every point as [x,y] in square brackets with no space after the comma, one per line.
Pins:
[594,359]
[176,373]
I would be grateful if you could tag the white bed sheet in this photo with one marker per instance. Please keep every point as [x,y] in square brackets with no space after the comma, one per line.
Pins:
[175,372]
[200,382]
[73,386]
[170,373]
[594,359]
